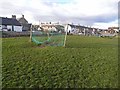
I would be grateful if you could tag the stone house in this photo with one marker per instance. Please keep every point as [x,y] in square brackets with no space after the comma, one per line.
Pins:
[25,25]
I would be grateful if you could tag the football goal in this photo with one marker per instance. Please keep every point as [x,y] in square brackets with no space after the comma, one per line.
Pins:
[48,38]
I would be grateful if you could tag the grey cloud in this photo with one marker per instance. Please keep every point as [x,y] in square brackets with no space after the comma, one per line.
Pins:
[9,8]
[85,20]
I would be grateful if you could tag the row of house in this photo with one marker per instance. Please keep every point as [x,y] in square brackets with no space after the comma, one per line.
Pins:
[21,24]
[14,24]
[78,29]
[48,26]
[56,27]
[83,30]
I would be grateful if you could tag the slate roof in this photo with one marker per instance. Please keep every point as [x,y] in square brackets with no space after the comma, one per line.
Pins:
[78,26]
[22,20]
[9,21]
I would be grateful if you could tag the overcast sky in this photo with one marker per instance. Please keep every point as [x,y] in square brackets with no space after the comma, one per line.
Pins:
[95,13]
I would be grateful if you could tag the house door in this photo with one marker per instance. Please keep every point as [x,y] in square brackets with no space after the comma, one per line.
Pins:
[12,28]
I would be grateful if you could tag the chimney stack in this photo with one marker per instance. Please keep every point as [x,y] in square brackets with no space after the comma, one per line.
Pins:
[22,16]
[13,16]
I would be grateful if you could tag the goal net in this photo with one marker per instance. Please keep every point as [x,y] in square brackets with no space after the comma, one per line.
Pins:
[49,38]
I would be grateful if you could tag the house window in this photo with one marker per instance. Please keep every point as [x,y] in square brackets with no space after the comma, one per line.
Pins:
[5,27]
[9,29]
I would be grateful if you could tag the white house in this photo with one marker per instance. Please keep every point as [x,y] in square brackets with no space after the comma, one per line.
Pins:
[68,28]
[48,26]
[81,30]
[10,24]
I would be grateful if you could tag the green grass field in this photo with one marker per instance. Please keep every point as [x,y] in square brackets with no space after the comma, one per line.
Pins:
[85,62]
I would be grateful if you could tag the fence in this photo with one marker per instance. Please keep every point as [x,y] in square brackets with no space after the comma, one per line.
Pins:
[14,34]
